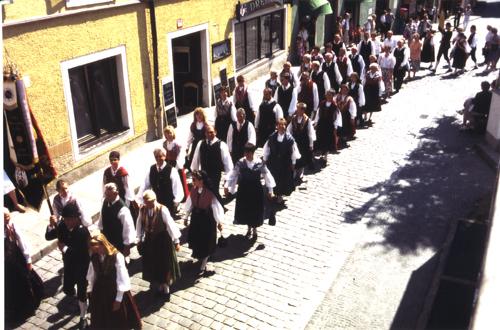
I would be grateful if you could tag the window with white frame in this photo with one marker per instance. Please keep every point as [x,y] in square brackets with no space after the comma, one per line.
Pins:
[97,95]
[81,3]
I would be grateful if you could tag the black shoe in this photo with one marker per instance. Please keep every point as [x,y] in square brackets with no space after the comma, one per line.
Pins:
[82,324]
[248,234]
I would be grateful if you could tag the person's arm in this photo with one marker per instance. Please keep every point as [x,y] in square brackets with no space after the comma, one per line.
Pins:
[232,179]
[195,162]
[278,112]
[217,210]
[352,108]
[172,229]
[268,179]
[316,98]
[361,96]
[84,218]
[129,195]
[311,133]
[128,230]
[179,161]
[226,157]
[338,119]
[177,188]
[250,101]
[188,206]
[140,234]
[23,245]
[293,103]
[257,119]
[144,186]
[90,278]
[122,277]
[349,68]
[99,221]
[252,136]
[51,232]
[266,151]
[295,153]
[230,138]
[233,112]
[326,81]
[337,73]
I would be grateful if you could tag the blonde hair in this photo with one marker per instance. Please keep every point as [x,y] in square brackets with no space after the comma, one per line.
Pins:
[169,129]
[199,110]
[101,239]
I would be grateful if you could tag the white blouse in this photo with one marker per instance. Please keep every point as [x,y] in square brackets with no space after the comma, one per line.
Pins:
[122,277]
[170,225]
[217,209]
[295,149]
[232,179]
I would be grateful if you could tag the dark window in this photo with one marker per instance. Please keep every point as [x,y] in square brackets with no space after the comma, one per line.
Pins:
[96,101]
[258,38]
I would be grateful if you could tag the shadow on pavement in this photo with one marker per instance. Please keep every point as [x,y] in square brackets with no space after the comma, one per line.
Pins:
[237,247]
[440,180]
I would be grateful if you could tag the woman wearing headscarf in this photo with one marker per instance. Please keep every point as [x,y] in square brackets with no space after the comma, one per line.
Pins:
[158,241]
[111,303]
[247,174]
[206,213]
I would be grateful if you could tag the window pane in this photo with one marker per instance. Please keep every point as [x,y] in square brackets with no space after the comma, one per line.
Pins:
[277,31]
[105,96]
[239,44]
[265,31]
[81,106]
[252,42]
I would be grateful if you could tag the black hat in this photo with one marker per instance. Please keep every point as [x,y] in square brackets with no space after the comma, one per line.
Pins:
[114,155]
[71,210]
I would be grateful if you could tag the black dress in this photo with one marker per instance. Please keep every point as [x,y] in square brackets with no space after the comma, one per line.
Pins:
[198,135]
[300,132]
[459,57]
[23,289]
[372,93]
[223,118]
[325,140]
[250,195]
[280,163]
[428,53]
[202,232]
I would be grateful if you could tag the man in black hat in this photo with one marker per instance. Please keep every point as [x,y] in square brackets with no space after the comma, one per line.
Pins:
[73,241]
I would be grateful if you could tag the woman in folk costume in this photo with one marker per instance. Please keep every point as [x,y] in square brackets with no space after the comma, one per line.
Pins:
[301,129]
[242,99]
[22,294]
[358,95]
[327,122]
[373,91]
[250,200]
[112,306]
[267,117]
[225,114]
[428,52]
[280,155]
[196,134]
[175,156]
[348,110]
[158,241]
[460,53]
[207,214]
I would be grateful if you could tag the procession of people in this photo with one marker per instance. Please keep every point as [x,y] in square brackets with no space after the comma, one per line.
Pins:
[302,119]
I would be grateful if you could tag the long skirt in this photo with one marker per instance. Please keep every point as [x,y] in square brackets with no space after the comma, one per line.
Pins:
[159,260]
[459,58]
[23,289]
[325,136]
[282,172]
[372,98]
[202,233]
[387,79]
[428,53]
[249,204]
[102,315]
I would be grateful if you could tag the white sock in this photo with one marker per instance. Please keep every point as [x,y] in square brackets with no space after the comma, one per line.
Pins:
[204,263]
[83,308]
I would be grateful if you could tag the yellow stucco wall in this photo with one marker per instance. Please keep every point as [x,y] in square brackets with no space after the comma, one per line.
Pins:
[38,48]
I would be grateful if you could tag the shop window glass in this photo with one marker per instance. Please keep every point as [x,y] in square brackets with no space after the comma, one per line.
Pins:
[277,31]
[239,44]
[265,32]
[252,40]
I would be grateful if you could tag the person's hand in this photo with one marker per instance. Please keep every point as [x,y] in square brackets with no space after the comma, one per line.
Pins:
[177,247]
[116,305]
[226,191]
[53,220]
[270,196]
[29,266]
[219,226]
[126,251]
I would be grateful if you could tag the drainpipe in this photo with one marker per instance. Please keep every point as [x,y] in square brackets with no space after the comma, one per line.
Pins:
[157,103]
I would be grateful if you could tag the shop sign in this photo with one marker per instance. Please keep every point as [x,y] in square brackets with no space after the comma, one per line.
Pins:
[247,8]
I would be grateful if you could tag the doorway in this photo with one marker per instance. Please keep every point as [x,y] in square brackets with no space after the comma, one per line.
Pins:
[189,68]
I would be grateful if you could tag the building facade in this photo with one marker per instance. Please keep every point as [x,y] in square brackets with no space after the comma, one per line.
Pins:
[105,74]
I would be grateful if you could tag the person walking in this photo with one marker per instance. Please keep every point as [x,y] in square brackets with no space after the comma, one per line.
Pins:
[460,52]
[267,116]
[387,62]
[372,89]
[428,53]
[225,114]
[472,41]
[240,133]
[301,129]
[401,55]
[444,46]
[415,55]
[327,122]
[196,134]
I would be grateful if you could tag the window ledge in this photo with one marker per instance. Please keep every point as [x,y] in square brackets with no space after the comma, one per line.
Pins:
[251,67]
[103,143]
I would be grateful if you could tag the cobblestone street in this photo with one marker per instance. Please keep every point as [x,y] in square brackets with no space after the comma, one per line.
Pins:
[364,232]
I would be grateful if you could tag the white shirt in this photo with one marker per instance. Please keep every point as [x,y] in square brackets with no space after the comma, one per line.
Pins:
[387,62]
[315,97]
[310,131]
[349,65]
[377,46]
[122,277]
[172,229]
[250,102]
[226,157]
[252,137]
[177,189]
[128,229]
[352,105]
[233,108]
[217,209]
[338,119]
[278,112]
[406,56]
[21,242]
[361,95]
[293,102]
[232,179]
[326,82]
[473,43]
[361,63]
[295,149]
[336,70]
[390,43]
[84,218]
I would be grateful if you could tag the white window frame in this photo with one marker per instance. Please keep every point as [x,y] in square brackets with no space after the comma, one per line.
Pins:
[124,90]
[80,3]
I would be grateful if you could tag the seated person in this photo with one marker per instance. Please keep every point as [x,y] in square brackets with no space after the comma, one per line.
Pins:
[476,114]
